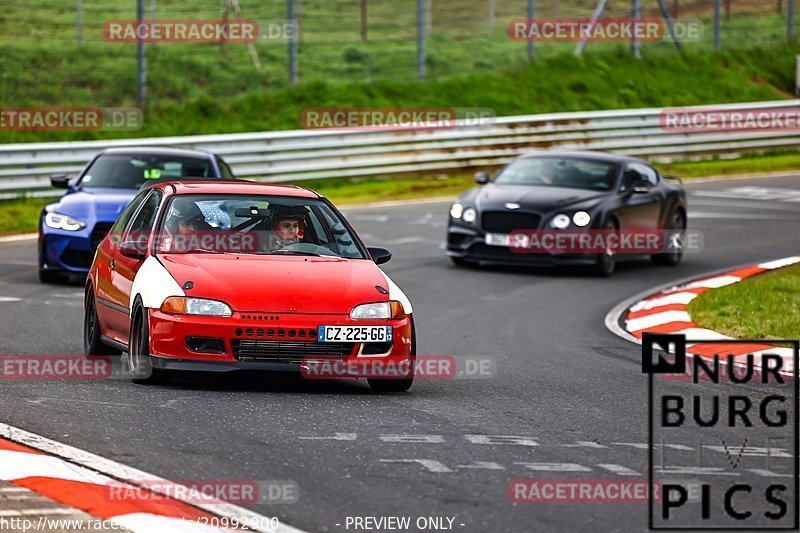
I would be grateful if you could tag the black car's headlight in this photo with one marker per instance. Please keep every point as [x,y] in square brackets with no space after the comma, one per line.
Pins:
[59,221]
[560,221]
[581,219]
[459,212]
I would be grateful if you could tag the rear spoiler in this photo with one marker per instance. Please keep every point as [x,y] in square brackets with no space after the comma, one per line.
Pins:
[673,178]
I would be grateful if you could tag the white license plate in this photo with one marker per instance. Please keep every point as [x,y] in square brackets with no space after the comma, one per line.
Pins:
[497,239]
[354,334]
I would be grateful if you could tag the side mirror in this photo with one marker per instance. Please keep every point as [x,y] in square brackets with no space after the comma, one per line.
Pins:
[642,187]
[380,255]
[132,249]
[60,181]
[482,178]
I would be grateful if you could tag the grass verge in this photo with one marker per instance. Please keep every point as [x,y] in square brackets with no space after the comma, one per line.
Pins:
[766,306]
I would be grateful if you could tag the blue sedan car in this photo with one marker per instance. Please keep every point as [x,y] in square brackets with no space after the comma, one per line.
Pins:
[71,228]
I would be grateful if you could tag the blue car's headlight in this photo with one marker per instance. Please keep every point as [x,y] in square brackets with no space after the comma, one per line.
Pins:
[58,221]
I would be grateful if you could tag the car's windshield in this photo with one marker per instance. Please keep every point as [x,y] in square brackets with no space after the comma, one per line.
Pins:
[121,171]
[255,224]
[559,172]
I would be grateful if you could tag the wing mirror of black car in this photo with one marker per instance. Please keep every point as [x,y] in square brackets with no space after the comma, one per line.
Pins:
[642,187]
[60,181]
[482,178]
[380,255]
[132,249]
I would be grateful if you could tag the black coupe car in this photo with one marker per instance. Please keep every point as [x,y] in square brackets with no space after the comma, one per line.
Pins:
[567,192]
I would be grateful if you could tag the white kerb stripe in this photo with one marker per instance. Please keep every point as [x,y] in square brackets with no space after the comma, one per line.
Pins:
[674,298]
[786,261]
[154,284]
[713,283]
[638,324]
[702,334]
[19,465]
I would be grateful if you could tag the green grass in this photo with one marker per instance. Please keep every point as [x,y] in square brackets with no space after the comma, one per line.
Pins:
[766,306]
[21,215]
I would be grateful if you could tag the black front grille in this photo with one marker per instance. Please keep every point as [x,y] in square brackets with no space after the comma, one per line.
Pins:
[507,221]
[257,349]
[99,232]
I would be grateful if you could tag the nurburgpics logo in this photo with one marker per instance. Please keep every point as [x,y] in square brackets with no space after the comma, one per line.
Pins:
[736,412]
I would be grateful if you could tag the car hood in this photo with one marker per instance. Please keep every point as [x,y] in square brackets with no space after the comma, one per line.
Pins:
[280,284]
[101,205]
[540,199]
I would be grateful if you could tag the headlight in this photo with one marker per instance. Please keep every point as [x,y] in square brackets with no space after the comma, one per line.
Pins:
[581,219]
[470,215]
[378,311]
[57,221]
[456,211]
[181,305]
[560,221]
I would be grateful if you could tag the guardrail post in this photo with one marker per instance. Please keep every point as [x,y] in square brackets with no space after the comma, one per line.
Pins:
[790,18]
[141,61]
[635,44]
[717,23]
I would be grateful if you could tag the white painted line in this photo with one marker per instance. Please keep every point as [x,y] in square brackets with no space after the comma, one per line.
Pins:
[732,216]
[6,490]
[429,464]
[20,237]
[756,205]
[134,477]
[18,465]
[619,470]
[9,299]
[657,319]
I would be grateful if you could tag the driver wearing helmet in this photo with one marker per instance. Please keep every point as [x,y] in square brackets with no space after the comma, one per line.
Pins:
[287,229]
[182,226]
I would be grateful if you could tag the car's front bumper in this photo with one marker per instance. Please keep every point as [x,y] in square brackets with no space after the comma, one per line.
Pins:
[265,341]
[70,251]
[470,244]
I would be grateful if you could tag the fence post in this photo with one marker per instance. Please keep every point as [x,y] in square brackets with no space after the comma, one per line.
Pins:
[141,61]
[421,39]
[717,23]
[531,16]
[790,17]
[635,44]
[80,23]
[292,42]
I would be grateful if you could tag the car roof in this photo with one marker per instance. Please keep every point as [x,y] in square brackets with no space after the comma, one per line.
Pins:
[236,187]
[159,150]
[585,154]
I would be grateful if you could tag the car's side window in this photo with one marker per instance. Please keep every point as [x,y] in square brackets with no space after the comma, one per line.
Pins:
[142,225]
[227,173]
[119,226]
[635,172]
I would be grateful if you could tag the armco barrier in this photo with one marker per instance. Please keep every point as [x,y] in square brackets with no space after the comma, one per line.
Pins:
[304,154]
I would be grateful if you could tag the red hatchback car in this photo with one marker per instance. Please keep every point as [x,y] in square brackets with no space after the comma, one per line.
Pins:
[220,276]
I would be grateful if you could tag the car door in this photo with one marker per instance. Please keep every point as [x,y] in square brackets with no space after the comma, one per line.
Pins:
[107,254]
[640,210]
[124,268]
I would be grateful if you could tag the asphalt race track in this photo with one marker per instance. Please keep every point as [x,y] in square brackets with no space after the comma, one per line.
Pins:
[562,382]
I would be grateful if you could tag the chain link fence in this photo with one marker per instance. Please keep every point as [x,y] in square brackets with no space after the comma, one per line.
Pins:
[59,53]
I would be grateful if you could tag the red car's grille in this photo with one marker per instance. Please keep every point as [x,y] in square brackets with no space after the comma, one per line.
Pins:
[257,349]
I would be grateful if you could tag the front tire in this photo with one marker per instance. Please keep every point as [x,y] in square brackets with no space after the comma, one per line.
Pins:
[140,366]
[606,262]
[92,343]
[675,247]
[398,385]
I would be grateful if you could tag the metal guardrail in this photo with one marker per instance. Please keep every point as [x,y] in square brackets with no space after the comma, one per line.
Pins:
[298,155]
